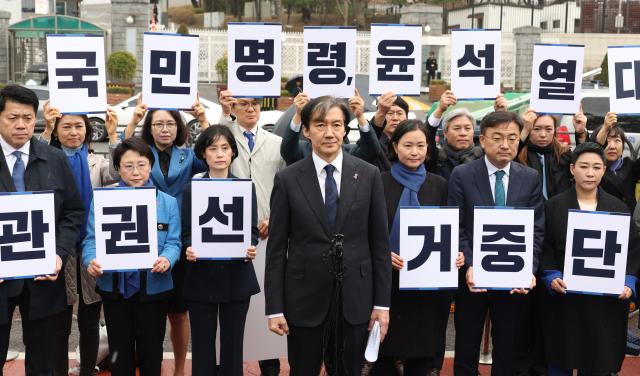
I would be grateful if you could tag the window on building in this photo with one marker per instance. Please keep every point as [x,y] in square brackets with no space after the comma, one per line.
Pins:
[556,24]
[543,25]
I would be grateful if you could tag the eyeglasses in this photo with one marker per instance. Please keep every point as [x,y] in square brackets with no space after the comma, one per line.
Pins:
[129,168]
[170,125]
[242,105]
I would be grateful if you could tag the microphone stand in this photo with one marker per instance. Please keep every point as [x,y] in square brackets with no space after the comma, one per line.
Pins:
[333,339]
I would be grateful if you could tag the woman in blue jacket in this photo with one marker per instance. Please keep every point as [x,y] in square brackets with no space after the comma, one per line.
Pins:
[136,303]
[174,165]
[217,290]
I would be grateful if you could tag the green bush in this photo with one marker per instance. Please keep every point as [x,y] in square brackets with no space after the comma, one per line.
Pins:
[285,93]
[222,66]
[604,75]
[115,89]
[183,29]
[121,66]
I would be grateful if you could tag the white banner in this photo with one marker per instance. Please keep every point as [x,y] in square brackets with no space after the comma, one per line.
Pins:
[255,59]
[476,60]
[395,59]
[27,234]
[556,78]
[170,70]
[624,79]
[126,227]
[429,247]
[221,218]
[595,259]
[329,61]
[502,247]
[77,82]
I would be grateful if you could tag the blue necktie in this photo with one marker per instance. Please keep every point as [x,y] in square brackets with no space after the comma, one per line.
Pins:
[331,198]
[250,140]
[544,176]
[18,172]
[499,189]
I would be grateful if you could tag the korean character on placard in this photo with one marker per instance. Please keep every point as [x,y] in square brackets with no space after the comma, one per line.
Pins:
[136,229]
[634,91]
[501,256]
[165,63]
[430,245]
[77,74]
[331,59]
[16,229]
[607,254]
[235,209]
[255,58]
[552,71]
[397,53]
[485,70]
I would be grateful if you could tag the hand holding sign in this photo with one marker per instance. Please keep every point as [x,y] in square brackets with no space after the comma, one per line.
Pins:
[528,119]
[356,104]
[559,286]
[397,262]
[300,101]
[471,284]
[500,104]
[580,123]
[54,276]
[447,99]
[227,101]
[94,268]
[251,253]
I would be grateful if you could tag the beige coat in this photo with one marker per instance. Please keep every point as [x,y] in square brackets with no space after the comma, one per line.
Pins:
[103,174]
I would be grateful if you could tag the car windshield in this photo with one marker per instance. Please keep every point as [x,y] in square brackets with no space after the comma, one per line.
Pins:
[595,109]
[41,94]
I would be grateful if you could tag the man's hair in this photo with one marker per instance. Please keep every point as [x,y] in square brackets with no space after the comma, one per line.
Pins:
[456,113]
[493,119]
[587,147]
[210,135]
[18,94]
[132,144]
[318,108]
[181,130]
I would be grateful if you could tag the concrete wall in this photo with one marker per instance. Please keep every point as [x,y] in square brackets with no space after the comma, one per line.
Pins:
[525,38]
[5,18]
[121,31]
[423,14]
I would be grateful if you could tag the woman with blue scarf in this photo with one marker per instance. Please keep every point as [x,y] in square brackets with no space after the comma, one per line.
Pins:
[72,134]
[622,172]
[136,302]
[418,319]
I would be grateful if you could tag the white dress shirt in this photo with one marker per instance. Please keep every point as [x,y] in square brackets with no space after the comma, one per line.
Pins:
[10,158]
[321,173]
[492,178]
[434,121]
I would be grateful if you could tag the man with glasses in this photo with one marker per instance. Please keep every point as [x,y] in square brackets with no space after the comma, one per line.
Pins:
[259,160]
[492,181]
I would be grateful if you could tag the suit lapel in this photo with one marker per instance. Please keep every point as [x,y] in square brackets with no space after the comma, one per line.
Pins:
[308,181]
[156,172]
[259,140]
[482,182]
[5,176]
[240,138]
[175,166]
[348,188]
[514,183]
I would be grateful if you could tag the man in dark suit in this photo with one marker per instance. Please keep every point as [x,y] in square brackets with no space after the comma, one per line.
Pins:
[293,149]
[29,165]
[492,181]
[314,201]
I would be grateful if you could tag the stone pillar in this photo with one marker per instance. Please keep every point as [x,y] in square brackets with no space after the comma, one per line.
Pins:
[4,45]
[423,14]
[127,36]
[525,38]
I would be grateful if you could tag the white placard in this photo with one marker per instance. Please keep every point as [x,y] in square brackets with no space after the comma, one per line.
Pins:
[476,60]
[624,82]
[395,59]
[255,59]
[329,61]
[502,260]
[27,234]
[606,234]
[212,200]
[129,249]
[170,70]
[429,247]
[556,78]
[77,81]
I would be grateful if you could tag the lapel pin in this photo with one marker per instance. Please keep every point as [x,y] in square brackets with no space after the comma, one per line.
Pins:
[355,176]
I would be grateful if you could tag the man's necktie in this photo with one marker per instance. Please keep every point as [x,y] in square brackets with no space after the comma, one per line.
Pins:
[544,176]
[331,198]
[499,189]
[250,140]
[18,172]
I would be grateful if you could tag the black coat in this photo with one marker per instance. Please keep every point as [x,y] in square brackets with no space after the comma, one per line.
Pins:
[559,177]
[585,332]
[622,183]
[217,281]
[418,319]
[298,282]
[47,169]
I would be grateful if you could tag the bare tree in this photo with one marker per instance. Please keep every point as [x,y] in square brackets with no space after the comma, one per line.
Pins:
[343,9]
[360,12]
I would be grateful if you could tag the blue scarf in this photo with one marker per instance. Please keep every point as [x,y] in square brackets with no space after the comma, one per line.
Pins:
[615,166]
[411,180]
[129,282]
[80,168]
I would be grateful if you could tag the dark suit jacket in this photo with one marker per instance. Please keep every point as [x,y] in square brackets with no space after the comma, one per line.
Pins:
[212,281]
[297,278]
[293,149]
[48,169]
[469,187]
